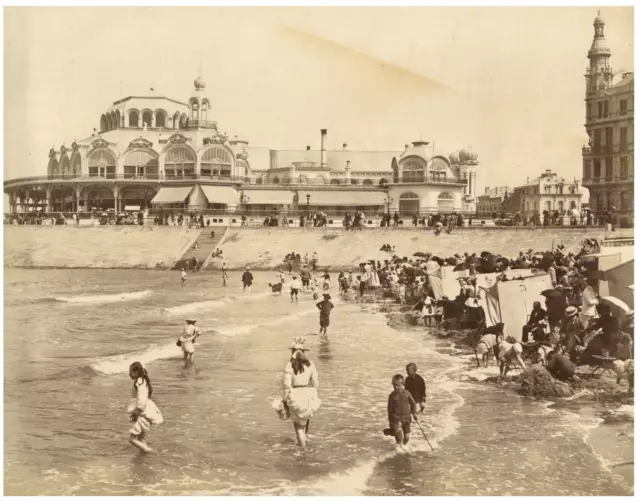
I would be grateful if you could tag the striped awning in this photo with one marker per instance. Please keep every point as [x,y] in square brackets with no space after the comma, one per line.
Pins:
[220,194]
[342,198]
[171,195]
[269,197]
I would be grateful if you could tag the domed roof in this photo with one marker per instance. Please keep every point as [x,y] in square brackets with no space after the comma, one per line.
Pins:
[419,149]
[199,83]
[598,21]
[454,157]
[467,155]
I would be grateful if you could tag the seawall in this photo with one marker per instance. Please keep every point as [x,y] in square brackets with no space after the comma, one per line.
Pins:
[95,247]
[265,248]
[261,248]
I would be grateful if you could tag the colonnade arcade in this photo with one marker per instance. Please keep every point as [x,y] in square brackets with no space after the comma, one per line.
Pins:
[71,199]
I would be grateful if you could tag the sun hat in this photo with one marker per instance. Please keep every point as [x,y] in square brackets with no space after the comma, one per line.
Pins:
[571,311]
[191,321]
[298,344]
[327,296]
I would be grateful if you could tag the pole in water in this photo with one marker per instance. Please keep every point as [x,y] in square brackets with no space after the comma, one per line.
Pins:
[423,433]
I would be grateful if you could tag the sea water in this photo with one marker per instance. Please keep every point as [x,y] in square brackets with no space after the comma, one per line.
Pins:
[70,336]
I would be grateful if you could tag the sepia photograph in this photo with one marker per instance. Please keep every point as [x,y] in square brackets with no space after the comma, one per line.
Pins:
[318,251]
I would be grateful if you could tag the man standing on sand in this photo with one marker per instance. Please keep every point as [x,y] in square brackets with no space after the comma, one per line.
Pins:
[247,281]
[325,307]
[314,261]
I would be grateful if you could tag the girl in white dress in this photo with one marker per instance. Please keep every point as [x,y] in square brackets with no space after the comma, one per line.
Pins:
[300,389]
[142,410]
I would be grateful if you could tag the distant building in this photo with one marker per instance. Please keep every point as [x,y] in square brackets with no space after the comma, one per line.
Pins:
[549,192]
[608,160]
[493,200]
[166,154]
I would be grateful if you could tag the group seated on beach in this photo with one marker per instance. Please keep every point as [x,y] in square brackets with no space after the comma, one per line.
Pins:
[556,335]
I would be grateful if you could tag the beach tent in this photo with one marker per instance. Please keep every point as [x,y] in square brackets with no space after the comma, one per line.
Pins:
[618,282]
[509,302]
[516,300]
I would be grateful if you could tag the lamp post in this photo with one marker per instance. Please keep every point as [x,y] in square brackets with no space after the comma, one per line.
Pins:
[388,201]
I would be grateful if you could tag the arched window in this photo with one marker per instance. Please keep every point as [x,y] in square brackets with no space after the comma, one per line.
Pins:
[118,119]
[180,163]
[176,120]
[275,180]
[412,171]
[445,202]
[367,183]
[54,168]
[383,182]
[103,123]
[134,118]
[102,162]
[354,182]
[334,182]
[259,180]
[146,118]
[141,164]
[194,111]
[216,161]
[409,204]
[183,121]
[161,119]
[109,126]
[320,179]
[65,166]
[76,164]
[114,121]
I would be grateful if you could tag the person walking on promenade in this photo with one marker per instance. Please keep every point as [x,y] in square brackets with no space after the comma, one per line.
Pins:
[300,389]
[142,410]
[247,281]
[325,307]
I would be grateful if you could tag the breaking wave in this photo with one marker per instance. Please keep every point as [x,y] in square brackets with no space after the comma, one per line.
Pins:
[118,297]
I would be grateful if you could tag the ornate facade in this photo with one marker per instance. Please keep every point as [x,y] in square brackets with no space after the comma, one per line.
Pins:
[158,152]
[608,160]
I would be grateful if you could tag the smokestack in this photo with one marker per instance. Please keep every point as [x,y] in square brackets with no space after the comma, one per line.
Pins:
[308,148]
[323,151]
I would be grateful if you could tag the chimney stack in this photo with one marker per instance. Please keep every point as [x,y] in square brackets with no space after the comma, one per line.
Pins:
[323,151]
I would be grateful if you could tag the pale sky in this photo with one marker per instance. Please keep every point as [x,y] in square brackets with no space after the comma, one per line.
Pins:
[506,81]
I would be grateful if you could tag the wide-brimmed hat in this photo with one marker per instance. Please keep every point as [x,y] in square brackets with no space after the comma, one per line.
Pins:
[571,311]
[191,321]
[327,296]
[298,344]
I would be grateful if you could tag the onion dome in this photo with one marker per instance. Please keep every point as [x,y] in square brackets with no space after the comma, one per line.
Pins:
[454,158]
[598,21]
[199,83]
[464,155]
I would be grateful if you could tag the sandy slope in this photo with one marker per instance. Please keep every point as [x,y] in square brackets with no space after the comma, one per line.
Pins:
[99,247]
[265,248]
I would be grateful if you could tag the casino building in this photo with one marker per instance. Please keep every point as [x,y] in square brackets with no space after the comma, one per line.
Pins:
[155,153]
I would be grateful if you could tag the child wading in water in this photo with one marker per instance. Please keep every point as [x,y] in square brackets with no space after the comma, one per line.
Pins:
[325,307]
[142,410]
[400,409]
[189,336]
